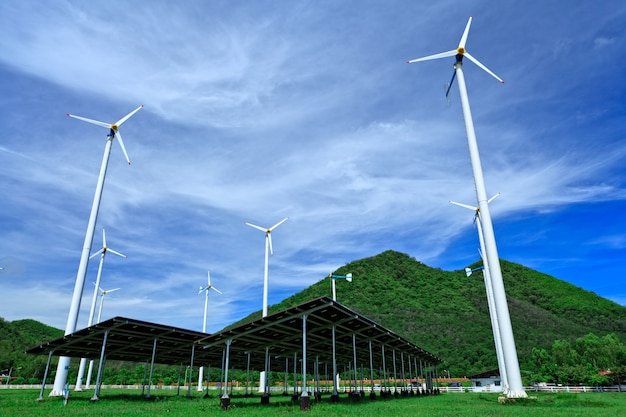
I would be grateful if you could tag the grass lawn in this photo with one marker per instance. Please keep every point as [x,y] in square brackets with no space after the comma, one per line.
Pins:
[127,403]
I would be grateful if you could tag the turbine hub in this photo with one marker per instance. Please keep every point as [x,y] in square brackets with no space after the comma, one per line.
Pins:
[114,126]
[460,50]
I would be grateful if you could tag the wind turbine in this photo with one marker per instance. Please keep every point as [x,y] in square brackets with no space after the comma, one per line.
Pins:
[495,324]
[205,290]
[268,251]
[72,318]
[516,389]
[102,294]
[347,277]
[102,252]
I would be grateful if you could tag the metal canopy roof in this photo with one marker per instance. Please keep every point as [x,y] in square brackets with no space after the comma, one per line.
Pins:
[128,340]
[282,333]
[133,340]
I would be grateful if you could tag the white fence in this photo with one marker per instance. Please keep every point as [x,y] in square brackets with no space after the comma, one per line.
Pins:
[576,389]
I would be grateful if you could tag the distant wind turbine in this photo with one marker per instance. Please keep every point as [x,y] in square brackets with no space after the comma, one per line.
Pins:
[268,251]
[347,277]
[516,389]
[205,290]
[102,294]
[102,252]
[72,319]
[495,324]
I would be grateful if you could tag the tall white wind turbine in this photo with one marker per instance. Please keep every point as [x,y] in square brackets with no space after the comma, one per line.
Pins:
[102,294]
[516,389]
[72,318]
[495,325]
[205,290]
[268,251]
[102,252]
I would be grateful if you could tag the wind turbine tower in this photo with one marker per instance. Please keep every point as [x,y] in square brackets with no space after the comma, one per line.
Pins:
[102,252]
[516,389]
[495,325]
[268,251]
[72,318]
[205,290]
[102,294]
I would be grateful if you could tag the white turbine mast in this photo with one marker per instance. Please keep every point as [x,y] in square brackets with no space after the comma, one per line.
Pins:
[205,290]
[102,252]
[495,324]
[102,294]
[516,389]
[72,318]
[268,251]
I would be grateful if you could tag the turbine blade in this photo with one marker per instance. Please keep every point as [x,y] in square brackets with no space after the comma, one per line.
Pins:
[278,224]
[97,253]
[492,198]
[213,288]
[467,206]
[93,122]
[116,253]
[465,33]
[487,70]
[114,289]
[268,236]
[450,86]
[202,289]
[128,116]
[436,56]
[208,273]
[121,142]
[256,227]
[104,239]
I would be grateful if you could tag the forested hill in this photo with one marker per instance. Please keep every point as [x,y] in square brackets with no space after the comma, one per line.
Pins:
[17,336]
[446,312]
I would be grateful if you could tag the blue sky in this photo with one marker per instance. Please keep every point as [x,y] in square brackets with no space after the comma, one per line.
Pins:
[259,110]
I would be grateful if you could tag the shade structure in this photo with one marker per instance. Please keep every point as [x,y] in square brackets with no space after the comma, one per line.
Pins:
[281,333]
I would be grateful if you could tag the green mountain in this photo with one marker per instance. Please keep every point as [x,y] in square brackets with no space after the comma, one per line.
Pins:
[446,312]
[15,338]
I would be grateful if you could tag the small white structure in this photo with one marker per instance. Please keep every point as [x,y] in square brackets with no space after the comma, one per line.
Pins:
[488,381]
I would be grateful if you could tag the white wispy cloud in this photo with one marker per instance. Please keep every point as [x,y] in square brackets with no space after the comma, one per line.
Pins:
[258,111]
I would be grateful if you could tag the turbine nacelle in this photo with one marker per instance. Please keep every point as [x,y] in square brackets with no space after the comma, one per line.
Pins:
[268,232]
[459,52]
[114,127]
[209,286]
[106,249]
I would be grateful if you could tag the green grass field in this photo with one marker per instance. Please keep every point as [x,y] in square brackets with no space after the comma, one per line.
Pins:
[119,402]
